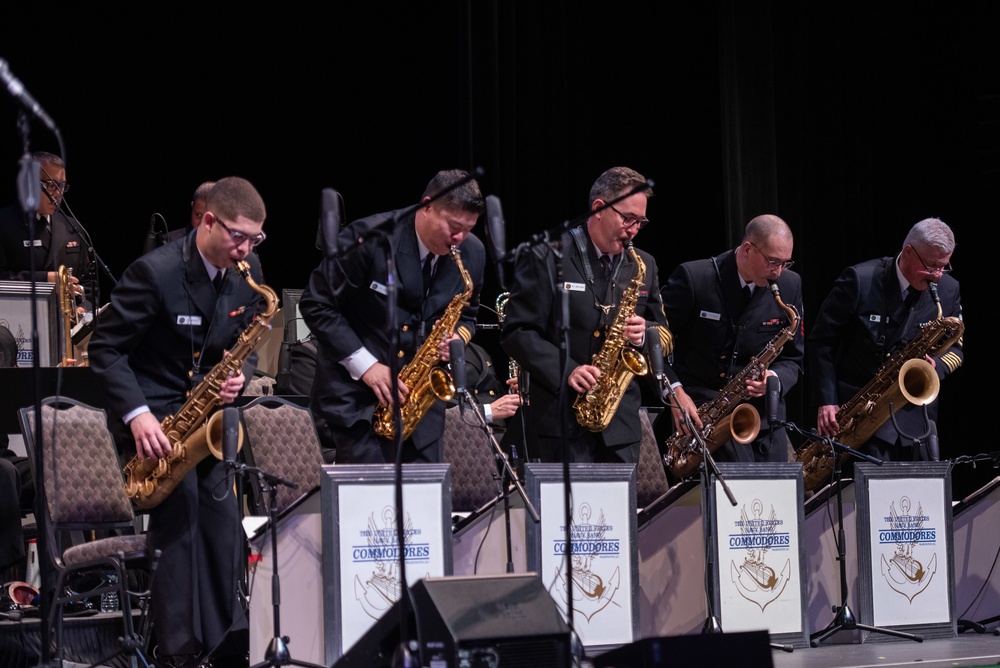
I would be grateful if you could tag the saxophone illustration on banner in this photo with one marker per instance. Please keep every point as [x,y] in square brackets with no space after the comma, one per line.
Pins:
[616,359]
[726,417]
[148,482]
[427,380]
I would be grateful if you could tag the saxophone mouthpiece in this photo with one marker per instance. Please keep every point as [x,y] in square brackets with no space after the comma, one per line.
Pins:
[932,286]
[774,288]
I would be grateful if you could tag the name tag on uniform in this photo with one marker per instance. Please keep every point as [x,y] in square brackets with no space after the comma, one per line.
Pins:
[189,320]
[708,315]
[379,288]
[28,244]
[574,287]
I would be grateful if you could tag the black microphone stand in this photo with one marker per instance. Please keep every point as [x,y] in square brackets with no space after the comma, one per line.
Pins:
[277,653]
[504,471]
[844,619]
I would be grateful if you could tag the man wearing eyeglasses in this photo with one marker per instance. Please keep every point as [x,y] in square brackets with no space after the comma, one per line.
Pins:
[723,314]
[596,270]
[173,315]
[57,236]
[873,309]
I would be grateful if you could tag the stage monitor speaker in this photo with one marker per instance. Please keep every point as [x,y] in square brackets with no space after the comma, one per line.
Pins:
[750,649]
[495,621]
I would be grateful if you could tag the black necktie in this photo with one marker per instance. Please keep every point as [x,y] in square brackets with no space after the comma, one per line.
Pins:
[428,264]
[606,263]
[217,281]
[911,297]
[747,295]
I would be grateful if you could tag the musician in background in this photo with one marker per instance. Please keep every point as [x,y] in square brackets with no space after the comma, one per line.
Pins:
[57,236]
[874,309]
[497,400]
[198,207]
[722,313]
[344,306]
[595,286]
[173,316]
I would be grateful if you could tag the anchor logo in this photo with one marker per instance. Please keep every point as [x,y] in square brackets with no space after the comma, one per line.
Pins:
[588,590]
[755,579]
[903,572]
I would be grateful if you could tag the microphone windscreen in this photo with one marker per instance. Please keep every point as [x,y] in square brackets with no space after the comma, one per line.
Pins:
[496,228]
[330,219]
[773,397]
[230,433]
[457,350]
[655,351]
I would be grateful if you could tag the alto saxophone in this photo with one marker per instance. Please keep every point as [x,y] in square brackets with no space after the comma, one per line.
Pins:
[616,361]
[905,378]
[67,307]
[427,380]
[725,417]
[147,482]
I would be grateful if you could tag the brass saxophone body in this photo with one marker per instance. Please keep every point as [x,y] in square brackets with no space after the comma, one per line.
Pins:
[725,417]
[513,368]
[427,380]
[617,361]
[67,307]
[905,378]
[147,482]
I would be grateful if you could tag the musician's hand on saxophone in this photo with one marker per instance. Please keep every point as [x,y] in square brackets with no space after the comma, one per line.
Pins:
[513,387]
[826,421]
[505,406]
[686,404]
[379,379]
[150,441]
[444,348]
[583,377]
[635,330]
[757,388]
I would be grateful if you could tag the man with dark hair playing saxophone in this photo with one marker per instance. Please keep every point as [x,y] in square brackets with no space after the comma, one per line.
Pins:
[174,315]
[344,306]
[612,292]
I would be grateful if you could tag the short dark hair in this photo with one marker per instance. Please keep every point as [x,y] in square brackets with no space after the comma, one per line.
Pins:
[201,192]
[8,348]
[233,197]
[466,197]
[616,182]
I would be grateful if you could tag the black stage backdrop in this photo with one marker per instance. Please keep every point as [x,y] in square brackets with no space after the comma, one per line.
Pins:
[851,121]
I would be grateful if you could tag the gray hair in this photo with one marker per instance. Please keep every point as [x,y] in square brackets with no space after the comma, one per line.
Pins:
[931,233]
[616,182]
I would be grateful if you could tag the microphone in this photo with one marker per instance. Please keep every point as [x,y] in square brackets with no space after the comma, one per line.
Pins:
[655,353]
[773,396]
[152,239]
[19,93]
[457,349]
[497,235]
[331,213]
[933,446]
[230,438]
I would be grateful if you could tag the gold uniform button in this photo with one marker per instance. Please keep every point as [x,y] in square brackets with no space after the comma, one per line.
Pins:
[597,334]
[492,393]
[406,328]
[722,375]
[400,354]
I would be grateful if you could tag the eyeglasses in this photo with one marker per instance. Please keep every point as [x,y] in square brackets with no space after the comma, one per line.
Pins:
[239,237]
[946,269]
[771,263]
[53,187]
[629,221]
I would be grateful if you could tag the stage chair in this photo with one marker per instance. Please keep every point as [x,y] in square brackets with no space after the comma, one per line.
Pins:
[281,440]
[651,478]
[260,385]
[473,461]
[85,491]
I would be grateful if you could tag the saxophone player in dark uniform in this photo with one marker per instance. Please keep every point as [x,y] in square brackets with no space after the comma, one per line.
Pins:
[722,314]
[344,306]
[596,287]
[875,308]
[175,313]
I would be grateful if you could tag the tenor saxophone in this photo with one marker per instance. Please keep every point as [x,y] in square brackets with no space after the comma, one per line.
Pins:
[67,307]
[427,380]
[725,417]
[616,361]
[905,378]
[147,482]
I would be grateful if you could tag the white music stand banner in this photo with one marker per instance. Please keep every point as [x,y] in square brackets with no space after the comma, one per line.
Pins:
[602,582]
[758,553]
[361,577]
[905,554]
